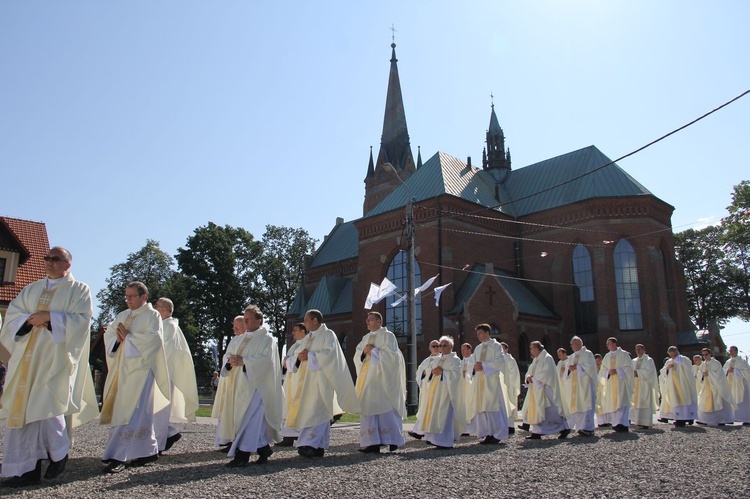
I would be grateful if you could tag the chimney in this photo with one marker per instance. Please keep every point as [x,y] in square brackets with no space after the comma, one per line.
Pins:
[339,220]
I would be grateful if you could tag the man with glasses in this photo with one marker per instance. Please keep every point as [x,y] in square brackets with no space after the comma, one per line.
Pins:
[715,401]
[49,389]
[380,387]
[581,374]
[646,390]
[489,412]
[423,371]
[738,375]
[137,384]
[442,406]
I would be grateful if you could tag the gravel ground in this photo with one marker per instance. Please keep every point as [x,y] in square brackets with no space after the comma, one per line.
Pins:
[664,461]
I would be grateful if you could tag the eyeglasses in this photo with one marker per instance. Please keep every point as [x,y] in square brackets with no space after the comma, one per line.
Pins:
[434,346]
[54,259]
[444,346]
[131,297]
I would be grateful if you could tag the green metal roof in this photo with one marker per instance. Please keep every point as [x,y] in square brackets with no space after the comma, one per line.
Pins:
[612,181]
[298,305]
[525,190]
[341,244]
[529,303]
[332,296]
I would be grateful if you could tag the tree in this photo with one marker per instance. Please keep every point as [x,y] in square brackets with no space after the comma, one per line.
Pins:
[220,265]
[282,270]
[154,268]
[150,265]
[736,240]
[702,258]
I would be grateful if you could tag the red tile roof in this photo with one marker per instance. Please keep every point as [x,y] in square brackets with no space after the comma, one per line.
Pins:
[32,236]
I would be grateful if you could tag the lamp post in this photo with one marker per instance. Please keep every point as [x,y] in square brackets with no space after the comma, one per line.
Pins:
[412,401]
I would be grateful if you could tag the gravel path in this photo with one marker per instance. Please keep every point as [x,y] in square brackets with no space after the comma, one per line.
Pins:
[711,462]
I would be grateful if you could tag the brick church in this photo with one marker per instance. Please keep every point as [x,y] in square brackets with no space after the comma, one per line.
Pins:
[570,245]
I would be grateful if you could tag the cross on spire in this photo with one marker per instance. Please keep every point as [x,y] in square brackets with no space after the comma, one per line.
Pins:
[393,33]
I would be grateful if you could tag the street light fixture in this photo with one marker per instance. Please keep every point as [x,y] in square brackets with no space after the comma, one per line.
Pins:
[411,300]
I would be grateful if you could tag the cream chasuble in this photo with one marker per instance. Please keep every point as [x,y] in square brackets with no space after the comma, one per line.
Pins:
[616,389]
[583,380]
[381,376]
[181,371]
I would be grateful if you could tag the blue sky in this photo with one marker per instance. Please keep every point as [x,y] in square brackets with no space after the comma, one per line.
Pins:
[122,121]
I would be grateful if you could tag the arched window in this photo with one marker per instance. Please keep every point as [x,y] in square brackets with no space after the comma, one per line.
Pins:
[626,282]
[583,276]
[396,317]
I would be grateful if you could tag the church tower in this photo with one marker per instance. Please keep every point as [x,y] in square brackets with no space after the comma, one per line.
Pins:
[395,149]
[495,158]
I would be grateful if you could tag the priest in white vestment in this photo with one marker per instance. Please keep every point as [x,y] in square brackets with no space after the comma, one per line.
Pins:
[715,401]
[48,385]
[137,386]
[583,380]
[679,395]
[222,390]
[251,404]
[466,369]
[289,435]
[184,401]
[443,408]
[489,414]
[616,382]
[737,371]
[543,408]
[645,389]
[697,361]
[423,371]
[323,372]
[511,387]
[380,388]
[562,371]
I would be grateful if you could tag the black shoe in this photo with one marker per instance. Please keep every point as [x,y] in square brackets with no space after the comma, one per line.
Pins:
[414,435]
[286,442]
[745,424]
[114,467]
[644,427]
[489,439]
[440,447]
[335,419]
[370,449]
[524,427]
[143,461]
[55,468]
[701,423]
[263,454]
[605,425]
[171,441]
[319,452]
[511,430]
[586,433]
[392,448]
[33,477]
[564,434]
[680,423]
[534,436]
[240,460]
[224,449]
[306,451]
[620,428]
[663,420]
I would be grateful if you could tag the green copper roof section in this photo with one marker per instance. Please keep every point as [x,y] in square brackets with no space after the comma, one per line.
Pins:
[332,296]
[442,174]
[341,244]
[528,302]
[529,185]
[298,304]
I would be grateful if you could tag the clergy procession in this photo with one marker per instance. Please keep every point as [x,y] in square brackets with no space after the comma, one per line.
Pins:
[264,402]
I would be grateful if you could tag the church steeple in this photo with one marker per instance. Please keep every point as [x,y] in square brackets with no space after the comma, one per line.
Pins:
[495,156]
[395,148]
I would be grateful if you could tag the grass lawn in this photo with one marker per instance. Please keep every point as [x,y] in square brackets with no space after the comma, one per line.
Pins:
[205,412]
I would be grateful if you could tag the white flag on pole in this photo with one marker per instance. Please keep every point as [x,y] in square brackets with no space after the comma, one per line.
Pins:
[426,285]
[438,291]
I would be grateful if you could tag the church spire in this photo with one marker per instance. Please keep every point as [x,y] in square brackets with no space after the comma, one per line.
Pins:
[394,142]
[419,157]
[495,156]
[395,148]
[370,167]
